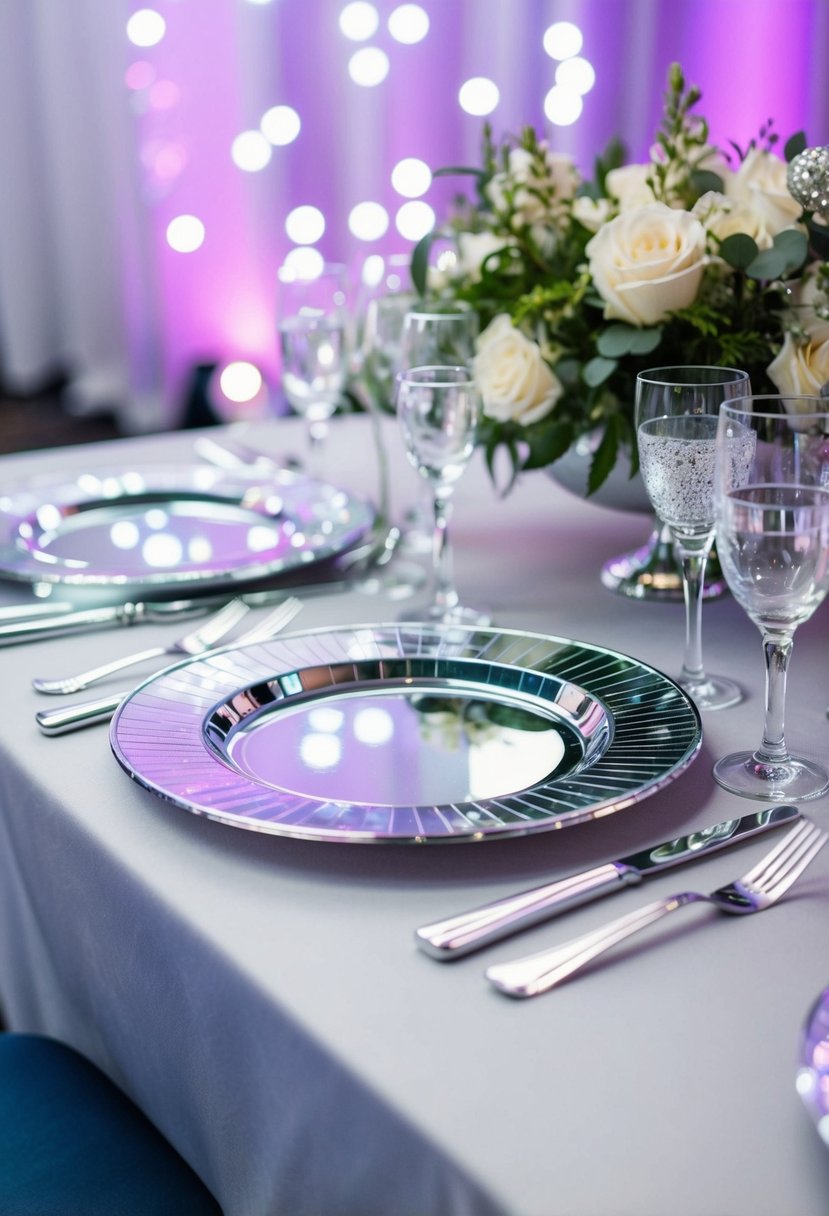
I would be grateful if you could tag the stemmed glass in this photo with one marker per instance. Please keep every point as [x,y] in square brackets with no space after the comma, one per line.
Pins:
[312,339]
[772,513]
[439,408]
[676,426]
[442,336]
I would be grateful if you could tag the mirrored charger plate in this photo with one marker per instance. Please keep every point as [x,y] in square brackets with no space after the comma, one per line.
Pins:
[168,526]
[813,1065]
[406,733]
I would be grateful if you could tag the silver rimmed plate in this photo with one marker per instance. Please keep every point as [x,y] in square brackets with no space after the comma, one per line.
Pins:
[813,1065]
[407,733]
[168,525]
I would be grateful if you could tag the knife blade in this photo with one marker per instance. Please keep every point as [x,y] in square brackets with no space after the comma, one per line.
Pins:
[469,931]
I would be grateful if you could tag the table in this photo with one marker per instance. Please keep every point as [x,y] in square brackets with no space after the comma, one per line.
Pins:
[263,1000]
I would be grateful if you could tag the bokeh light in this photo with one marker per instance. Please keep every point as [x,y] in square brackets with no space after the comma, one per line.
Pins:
[479,96]
[305,225]
[408,23]
[146,27]
[164,95]
[577,74]
[562,40]
[240,381]
[414,220]
[369,66]
[368,221]
[280,125]
[139,75]
[359,20]
[250,151]
[302,263]
[411,177]
[185,233]
[562,106]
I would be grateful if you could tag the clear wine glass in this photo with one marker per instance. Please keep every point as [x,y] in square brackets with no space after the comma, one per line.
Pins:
[313,346]
[439,408]
[677,409]
[772,520]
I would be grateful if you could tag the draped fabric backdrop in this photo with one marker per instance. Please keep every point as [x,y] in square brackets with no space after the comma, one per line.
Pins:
[141,236]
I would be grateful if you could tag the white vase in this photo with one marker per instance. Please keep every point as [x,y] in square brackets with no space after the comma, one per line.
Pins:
[619,491]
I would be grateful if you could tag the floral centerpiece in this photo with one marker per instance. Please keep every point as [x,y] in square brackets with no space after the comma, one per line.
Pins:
[699,256]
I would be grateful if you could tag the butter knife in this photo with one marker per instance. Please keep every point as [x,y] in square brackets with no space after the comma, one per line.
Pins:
[468,931]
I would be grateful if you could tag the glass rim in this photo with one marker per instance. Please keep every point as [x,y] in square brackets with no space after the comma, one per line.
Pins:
[734,405]
[651,375]
[430,315]
[416,376]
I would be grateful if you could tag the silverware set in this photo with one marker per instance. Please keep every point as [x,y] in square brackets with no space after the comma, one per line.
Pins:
[760,888]
[90,713]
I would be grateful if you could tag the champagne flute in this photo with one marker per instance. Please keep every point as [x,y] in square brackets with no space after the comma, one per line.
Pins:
[676,426]
[439,408]
[312,339]
[772,520]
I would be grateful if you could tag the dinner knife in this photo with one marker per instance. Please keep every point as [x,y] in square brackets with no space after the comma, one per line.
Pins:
[462,934]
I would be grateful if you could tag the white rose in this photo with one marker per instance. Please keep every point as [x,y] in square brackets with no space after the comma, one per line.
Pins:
[647,263]
[802,368]
[629,186]
[723,217]
[515,382]
[474,248]
[760,184]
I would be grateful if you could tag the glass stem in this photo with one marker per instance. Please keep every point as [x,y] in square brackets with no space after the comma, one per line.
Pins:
[777,651]
[693,558]
[446,597]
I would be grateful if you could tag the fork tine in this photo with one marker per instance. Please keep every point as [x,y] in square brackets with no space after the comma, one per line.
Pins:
[272,623]
[222,621]
[780,850]
[807,849]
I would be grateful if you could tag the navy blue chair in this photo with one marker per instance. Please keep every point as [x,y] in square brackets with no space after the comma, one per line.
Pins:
[73,1144]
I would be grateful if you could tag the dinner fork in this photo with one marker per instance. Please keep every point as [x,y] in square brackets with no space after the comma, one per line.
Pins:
[761,887]
[91,713]
[196,642]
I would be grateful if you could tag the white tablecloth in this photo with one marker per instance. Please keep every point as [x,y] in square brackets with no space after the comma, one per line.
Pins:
[263,999]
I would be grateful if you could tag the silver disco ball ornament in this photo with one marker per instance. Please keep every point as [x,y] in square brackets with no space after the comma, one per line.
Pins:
[808,180]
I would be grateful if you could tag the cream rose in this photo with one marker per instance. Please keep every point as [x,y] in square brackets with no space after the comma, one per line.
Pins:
[629,186]
[648,263]
[515,382]
[723,217]
[760,184]
[802,367]
[474,248]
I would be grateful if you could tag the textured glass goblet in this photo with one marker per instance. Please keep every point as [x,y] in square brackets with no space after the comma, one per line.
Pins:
[439,409]
[677,409]
[772,521]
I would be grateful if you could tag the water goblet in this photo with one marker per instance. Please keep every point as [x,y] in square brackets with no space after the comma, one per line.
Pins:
[439,335]
[676,426]
[439,408]
[772,521]
[312,339]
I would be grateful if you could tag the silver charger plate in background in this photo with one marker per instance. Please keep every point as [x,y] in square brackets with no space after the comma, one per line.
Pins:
[813,1065]
[169,526]
[406,733]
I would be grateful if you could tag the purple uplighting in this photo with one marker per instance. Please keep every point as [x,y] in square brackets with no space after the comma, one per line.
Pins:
[208,156]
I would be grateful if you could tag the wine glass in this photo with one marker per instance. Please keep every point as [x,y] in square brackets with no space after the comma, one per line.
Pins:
[439,335]
[439,408]
[312,339]
[676,425]
[772,520]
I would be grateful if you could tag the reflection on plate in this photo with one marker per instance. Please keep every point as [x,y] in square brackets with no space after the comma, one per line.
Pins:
[407,733]
[169,525]
[813,1071]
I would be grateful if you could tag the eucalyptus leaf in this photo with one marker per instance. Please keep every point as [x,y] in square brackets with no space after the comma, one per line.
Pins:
[420,263]
[597,371]
[616,341]
[794,246]
[645,341]
[795,144]
[704,180]
[769,264]
[739,250]
[460,171]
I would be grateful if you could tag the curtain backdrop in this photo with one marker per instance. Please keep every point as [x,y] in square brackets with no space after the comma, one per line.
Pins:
[105,143]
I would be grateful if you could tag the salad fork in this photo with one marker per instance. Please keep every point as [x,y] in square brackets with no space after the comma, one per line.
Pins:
[90,713]
[757,890]
[196,642]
